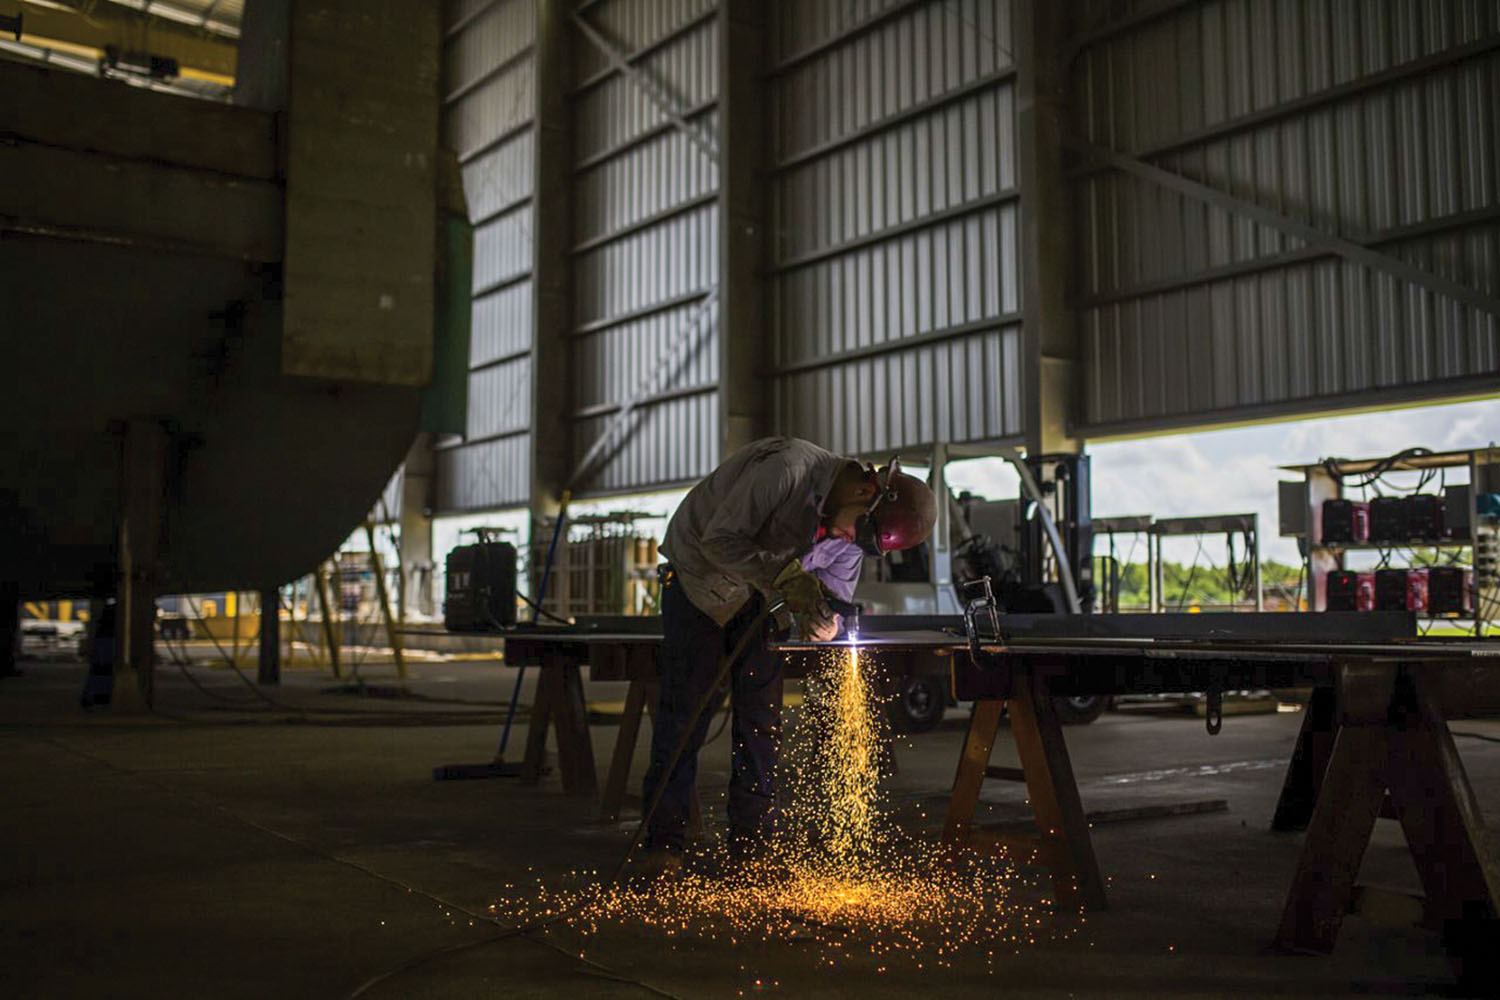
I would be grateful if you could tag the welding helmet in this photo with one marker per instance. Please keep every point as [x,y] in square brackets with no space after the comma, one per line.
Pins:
[901,515]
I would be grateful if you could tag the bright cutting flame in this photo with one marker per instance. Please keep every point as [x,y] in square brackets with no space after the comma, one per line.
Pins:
[836,873]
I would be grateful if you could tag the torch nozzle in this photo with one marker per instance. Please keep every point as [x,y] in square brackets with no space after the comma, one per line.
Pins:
[850,612]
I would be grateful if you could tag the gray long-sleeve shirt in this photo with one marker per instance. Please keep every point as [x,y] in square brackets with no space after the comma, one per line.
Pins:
[755,513]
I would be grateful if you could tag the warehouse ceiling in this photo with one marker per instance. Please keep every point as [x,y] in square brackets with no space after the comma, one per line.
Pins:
[185,47]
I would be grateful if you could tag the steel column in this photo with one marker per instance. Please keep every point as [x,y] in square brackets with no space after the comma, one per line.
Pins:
[1051,377]
[551,437]
[143,488]
[268,670]
[743,221]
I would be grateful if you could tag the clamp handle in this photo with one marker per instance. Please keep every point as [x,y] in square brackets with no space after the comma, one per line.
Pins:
[983,603]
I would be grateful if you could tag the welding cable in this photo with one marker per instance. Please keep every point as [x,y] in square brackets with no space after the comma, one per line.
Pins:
[541,598]
[1378,470]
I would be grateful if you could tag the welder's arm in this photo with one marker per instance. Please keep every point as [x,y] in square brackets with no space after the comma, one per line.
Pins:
[840,574]
[731,538]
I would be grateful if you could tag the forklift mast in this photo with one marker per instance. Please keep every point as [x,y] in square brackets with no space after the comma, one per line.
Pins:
[1063,480]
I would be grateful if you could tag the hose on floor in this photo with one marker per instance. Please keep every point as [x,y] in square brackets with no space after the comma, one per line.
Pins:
[710,695]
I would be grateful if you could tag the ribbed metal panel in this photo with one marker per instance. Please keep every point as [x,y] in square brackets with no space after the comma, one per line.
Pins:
[485,475]
[489,81]
[490,39]
[491,110]
[499,178]
[645,234]
[502,248]
[921,394]
[648,267]
[616,110]
[458,13]
[500,399]
[634,25]
[1196,313]
[949,275]
[897,281]
[675,441]
[806,23]
[937,163]
[609,365]
[501,324]
[656,176]
[930,50]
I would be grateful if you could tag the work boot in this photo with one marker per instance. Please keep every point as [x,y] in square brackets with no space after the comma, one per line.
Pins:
[649,865]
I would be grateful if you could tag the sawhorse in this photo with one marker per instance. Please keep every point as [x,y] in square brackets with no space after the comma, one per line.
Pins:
[1375,745]
[1062,842]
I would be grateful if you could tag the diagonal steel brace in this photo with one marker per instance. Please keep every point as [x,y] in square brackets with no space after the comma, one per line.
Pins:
[1348,249]
[654,90]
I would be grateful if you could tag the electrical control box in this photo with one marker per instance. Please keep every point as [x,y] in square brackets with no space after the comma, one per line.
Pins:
[1351,591]
[1425,517]
[1388,519]
[1401,590]
[1450,590]
[1345,521]
[481,588]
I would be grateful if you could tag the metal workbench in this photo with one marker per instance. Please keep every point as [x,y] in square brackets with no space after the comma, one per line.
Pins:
[1374,739]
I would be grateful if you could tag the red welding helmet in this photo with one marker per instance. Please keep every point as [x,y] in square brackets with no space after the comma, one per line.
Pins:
[901,516]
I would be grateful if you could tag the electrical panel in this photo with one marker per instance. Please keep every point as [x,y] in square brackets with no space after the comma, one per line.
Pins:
[1345,521]
[481,588]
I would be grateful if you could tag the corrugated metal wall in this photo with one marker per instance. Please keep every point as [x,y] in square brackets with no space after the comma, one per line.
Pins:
[1374,120]
[488,112]
[896,285]
[645,243]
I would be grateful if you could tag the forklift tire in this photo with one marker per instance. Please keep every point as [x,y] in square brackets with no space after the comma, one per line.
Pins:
[1079,710]
[919,704]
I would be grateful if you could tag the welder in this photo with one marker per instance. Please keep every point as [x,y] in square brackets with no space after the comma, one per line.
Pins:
[780,520]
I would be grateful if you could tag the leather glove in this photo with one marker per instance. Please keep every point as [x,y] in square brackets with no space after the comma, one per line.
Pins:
[803,592]
[821,629]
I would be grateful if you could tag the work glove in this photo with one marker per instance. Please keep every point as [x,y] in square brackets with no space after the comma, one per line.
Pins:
[803,591]
[804,596]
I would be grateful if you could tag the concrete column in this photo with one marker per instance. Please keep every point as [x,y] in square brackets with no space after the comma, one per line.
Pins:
[269,671]
[744,142]
[265,29]
[415,518]
[552,440]
[1052,391]
[143,456]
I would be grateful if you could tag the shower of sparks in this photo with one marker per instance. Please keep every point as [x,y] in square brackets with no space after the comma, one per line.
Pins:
[840,874]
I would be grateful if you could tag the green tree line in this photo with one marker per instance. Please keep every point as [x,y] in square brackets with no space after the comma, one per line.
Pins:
[1186,585]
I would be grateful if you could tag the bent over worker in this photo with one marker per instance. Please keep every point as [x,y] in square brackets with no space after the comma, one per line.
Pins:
[780,519]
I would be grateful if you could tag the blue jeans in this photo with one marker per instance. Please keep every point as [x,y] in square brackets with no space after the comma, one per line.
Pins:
[693,646]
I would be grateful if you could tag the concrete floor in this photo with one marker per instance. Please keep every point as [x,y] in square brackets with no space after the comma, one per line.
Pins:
[226,847]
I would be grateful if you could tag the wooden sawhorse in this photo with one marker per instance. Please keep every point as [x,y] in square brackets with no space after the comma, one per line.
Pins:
[559,706]
[1373,742]
[1062,842]
[1378,744]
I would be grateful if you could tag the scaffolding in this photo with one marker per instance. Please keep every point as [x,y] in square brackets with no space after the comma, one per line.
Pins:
[605,565]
